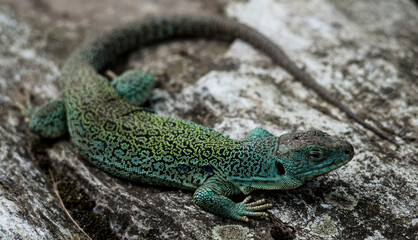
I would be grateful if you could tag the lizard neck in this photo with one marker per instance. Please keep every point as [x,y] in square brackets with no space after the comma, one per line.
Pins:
[252,165]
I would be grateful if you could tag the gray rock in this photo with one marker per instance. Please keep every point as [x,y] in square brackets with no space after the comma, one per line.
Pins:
[364,52]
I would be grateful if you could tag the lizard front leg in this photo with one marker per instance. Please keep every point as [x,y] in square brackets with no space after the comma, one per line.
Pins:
[258,133]
[212,197]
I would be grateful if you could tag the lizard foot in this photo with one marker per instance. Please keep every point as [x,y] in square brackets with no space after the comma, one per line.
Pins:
[253,209]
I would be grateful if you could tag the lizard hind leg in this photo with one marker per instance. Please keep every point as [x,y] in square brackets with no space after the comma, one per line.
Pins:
[134,86]
[50,120]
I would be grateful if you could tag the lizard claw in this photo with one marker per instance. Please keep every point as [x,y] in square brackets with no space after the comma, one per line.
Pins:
[253,209]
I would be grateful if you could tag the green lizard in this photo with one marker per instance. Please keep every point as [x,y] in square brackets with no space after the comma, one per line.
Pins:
[107,123]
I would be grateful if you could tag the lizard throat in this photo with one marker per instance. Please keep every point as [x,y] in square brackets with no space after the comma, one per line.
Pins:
[320,169]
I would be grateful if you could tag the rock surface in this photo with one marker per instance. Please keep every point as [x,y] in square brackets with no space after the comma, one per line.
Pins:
[364,52]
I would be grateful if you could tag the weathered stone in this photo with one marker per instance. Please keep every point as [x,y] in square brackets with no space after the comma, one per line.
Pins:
[364,52]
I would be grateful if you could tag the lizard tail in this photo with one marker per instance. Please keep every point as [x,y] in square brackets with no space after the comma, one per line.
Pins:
[136,34]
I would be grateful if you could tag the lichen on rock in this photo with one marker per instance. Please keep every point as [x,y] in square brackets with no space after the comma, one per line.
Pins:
[236,232]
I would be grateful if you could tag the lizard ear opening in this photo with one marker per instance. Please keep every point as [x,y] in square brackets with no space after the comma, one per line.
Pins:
[280,169]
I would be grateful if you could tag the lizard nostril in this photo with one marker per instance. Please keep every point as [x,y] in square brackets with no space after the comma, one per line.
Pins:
[349,150]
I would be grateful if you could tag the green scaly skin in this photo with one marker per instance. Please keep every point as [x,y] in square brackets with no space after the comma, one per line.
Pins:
[118,136]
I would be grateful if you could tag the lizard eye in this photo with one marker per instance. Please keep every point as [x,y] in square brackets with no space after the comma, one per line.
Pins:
[315,154]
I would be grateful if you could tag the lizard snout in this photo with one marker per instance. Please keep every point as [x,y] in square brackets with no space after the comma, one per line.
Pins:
[348,149]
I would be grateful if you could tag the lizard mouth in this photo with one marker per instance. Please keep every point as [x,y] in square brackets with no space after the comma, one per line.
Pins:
[322,168]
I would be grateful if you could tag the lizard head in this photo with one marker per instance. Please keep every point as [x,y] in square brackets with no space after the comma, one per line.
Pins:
[286,162]
[306,155]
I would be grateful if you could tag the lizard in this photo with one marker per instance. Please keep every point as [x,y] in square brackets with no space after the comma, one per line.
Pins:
[106,121]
